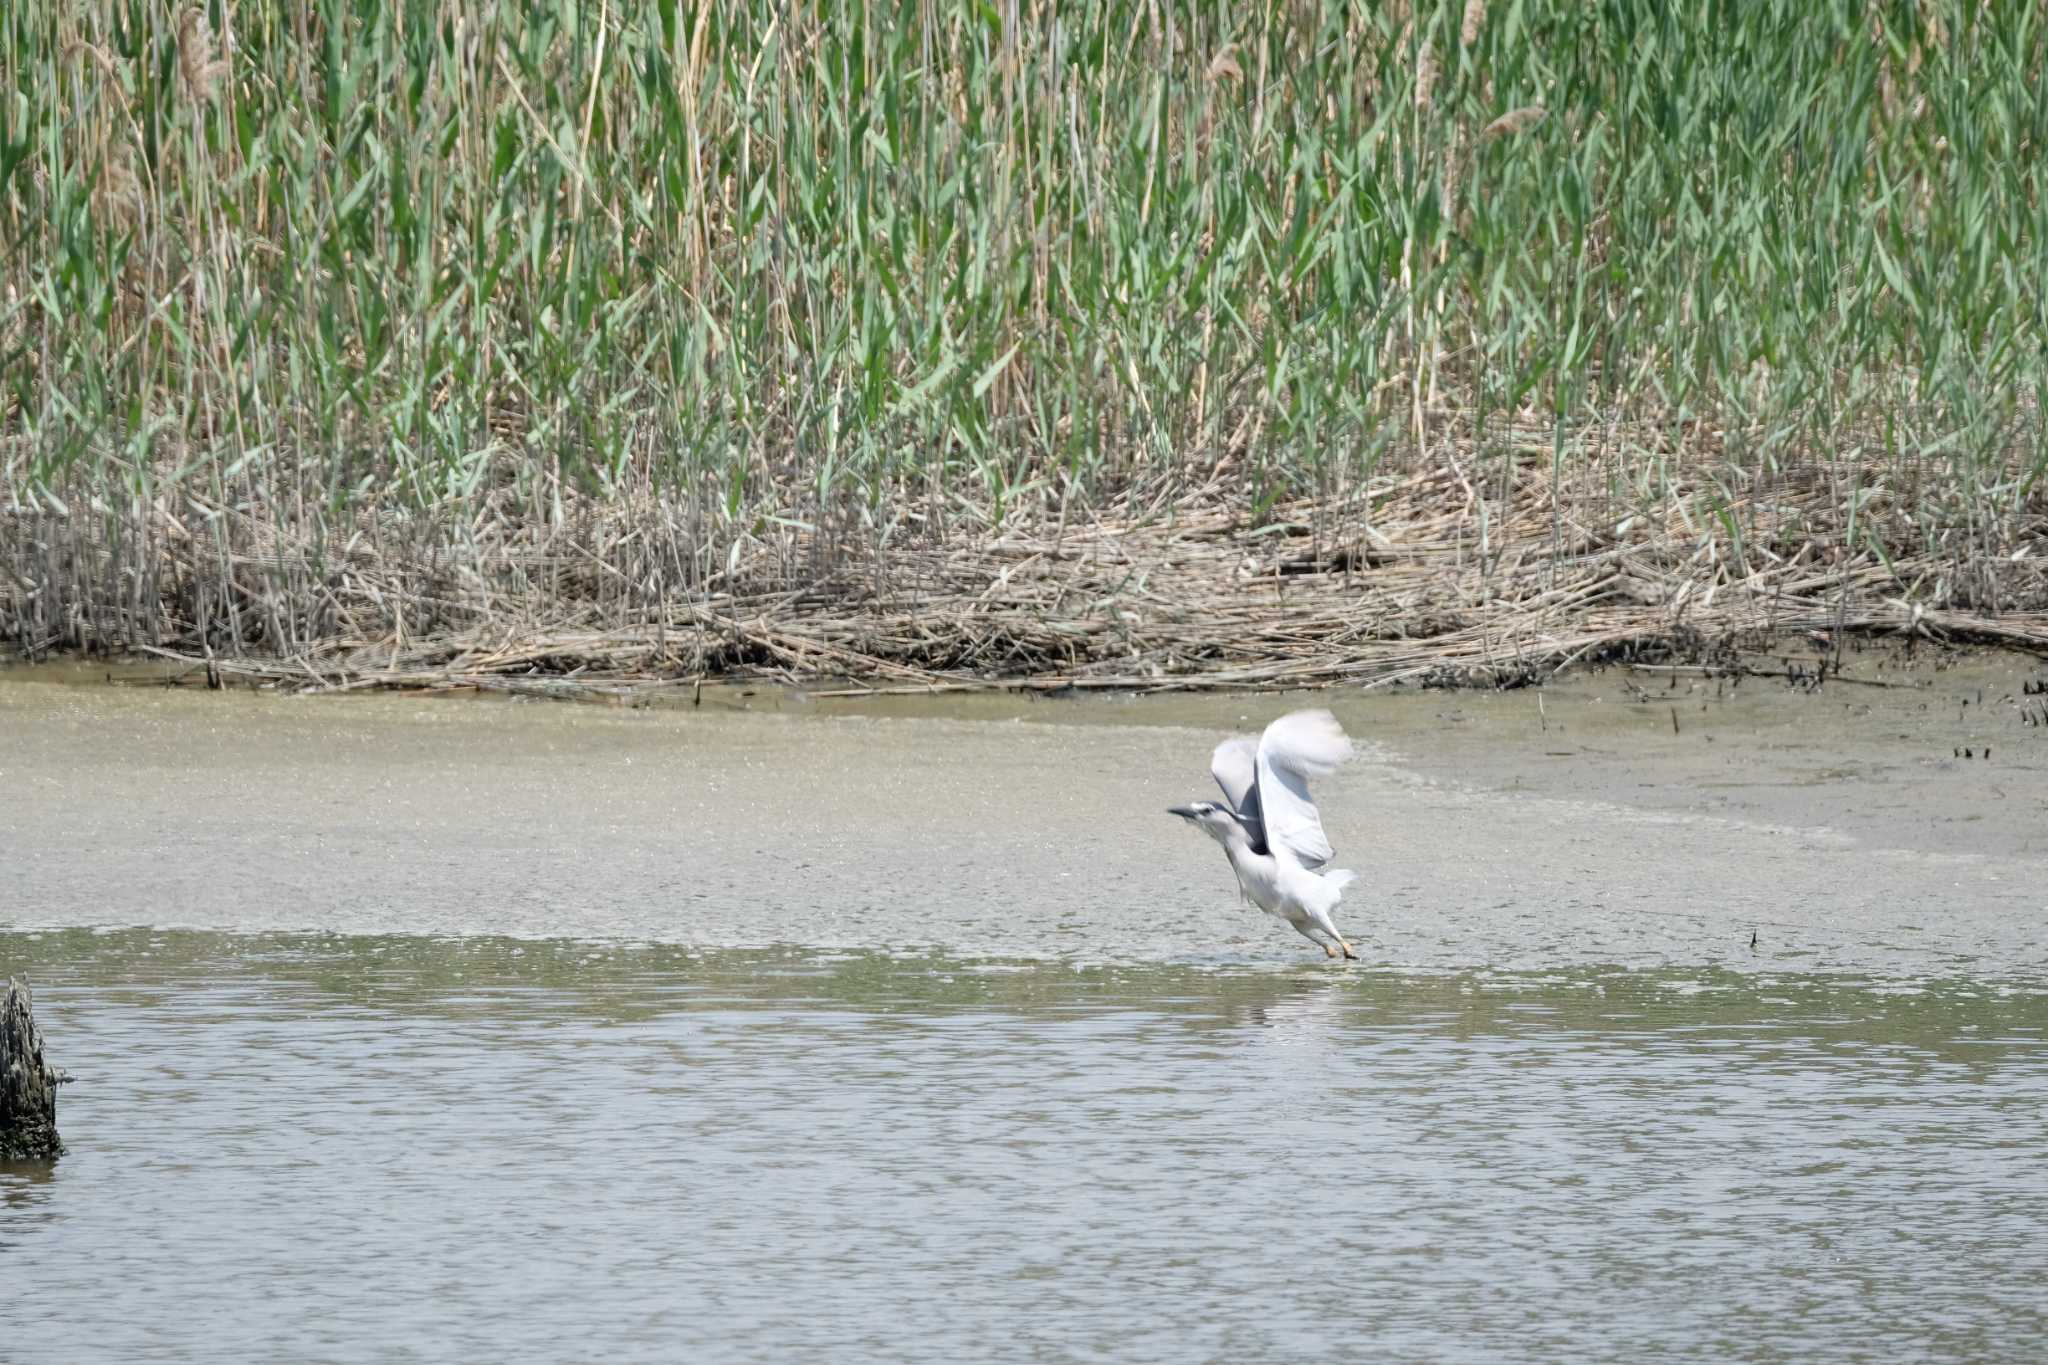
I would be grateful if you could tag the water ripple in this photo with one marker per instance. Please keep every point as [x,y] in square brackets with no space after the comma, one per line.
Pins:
[327,1148]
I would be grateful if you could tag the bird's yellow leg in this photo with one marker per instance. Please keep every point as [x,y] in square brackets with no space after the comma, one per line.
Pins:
[1328,951]
[1347,951]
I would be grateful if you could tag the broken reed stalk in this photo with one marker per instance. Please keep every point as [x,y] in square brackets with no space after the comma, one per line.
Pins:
[28,1085]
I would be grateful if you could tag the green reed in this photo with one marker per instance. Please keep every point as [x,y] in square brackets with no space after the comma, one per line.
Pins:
[862,263]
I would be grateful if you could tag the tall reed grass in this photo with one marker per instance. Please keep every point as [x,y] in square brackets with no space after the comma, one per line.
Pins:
[831,277]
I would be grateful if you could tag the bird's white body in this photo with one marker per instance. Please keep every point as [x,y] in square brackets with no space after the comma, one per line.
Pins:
[1286,890]
[1271,831]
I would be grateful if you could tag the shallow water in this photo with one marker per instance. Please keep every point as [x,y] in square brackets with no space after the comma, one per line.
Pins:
[419,1030]
[401,1148]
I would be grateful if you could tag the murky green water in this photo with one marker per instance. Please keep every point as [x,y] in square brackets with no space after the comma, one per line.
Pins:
[408,1149]
[422,1030]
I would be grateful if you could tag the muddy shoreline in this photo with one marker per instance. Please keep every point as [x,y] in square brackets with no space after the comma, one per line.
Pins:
[1612,816]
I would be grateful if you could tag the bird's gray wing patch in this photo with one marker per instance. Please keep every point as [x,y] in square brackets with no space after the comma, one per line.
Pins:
[1235,766]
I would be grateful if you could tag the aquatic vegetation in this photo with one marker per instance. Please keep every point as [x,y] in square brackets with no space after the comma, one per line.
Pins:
[592,312]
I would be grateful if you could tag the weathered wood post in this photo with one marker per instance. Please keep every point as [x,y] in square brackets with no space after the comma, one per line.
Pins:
[28,1087]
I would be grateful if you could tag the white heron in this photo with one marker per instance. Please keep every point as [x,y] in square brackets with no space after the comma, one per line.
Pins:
[1270,830]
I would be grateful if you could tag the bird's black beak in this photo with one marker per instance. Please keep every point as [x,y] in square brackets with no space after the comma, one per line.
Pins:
[1184,812]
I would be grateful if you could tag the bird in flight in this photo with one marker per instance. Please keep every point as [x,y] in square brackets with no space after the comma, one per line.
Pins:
[1269,827]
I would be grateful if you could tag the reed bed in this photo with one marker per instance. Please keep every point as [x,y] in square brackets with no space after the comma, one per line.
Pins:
[953,344]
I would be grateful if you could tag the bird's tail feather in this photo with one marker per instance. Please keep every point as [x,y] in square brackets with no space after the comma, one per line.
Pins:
[1333,886]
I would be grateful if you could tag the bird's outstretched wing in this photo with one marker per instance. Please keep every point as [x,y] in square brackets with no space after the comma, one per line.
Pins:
[1295,748]
[1235,766]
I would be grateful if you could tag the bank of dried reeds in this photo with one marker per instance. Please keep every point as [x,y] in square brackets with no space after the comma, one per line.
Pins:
[1424,577]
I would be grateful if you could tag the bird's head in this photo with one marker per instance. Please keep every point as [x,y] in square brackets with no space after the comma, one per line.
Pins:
[1218,822]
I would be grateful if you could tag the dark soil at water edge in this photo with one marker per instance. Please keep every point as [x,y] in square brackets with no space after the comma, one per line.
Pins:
[1420,576]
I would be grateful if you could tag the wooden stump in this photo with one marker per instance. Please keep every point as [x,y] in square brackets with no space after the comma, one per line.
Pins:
[28,1087]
